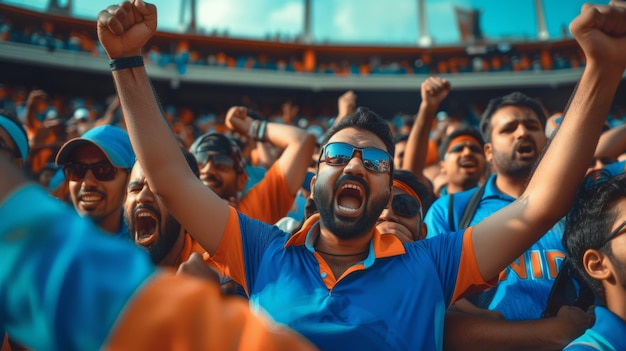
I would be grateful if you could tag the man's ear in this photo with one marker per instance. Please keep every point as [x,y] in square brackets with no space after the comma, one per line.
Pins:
[488,152]
[442,167]
[597,265]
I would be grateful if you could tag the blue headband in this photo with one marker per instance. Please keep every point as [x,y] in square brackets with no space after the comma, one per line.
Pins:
[17,134]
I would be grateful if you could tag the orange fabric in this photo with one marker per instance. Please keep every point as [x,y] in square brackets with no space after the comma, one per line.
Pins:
[462,139]
[181,313]
[5,343]
[432,155]
[228,259]
[190,246]
[469,275]
[270,199]
[407,189]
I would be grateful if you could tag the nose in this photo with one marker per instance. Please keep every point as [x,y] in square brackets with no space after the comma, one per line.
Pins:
[145,195]
[90,180]
[522,131]
[355,166]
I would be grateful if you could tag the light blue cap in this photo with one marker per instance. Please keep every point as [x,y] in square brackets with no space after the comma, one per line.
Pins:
[113,141]
[17,134]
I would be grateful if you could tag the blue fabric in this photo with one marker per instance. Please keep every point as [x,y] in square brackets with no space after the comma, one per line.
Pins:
[607,334]
[523,293]
[17,134]
[113,141]
[63,283]
[255,175]
[396,303]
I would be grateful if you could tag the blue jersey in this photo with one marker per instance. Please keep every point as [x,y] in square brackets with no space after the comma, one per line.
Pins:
[395,299]
[524,286]
[607,334]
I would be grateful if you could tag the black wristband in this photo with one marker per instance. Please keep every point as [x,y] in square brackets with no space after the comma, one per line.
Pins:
[126,62]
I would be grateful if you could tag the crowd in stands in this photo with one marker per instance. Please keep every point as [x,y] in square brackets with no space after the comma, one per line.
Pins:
[179,53]
[129,225]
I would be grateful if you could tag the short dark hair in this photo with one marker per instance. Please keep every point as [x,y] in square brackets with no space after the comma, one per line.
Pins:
[424,192]
[589,222]
[513,99]
[469,131]
[400,138]
[365,119]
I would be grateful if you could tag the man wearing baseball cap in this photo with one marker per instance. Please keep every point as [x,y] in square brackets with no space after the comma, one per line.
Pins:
[97,166]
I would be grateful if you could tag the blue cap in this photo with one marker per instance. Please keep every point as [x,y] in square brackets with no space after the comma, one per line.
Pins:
[113,141]
[17,133]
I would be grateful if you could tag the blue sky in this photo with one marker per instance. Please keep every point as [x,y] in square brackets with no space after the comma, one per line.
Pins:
[392,22]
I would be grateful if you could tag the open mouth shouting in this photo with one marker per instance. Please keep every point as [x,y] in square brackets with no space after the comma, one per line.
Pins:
[469,164]
[526,149]
[350,200]
[146,221]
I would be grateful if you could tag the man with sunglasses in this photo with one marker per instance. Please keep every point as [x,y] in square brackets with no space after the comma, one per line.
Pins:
[97,166]
[222,167]
[462,162]
[404,218]
[336,280]
[595,242]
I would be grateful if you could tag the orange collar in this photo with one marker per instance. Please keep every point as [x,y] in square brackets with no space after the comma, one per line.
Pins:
[385,245]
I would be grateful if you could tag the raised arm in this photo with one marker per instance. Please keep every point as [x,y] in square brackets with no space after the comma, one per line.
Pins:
[296,144]
[612,143]
[434,91]
[123,30]
[601,33]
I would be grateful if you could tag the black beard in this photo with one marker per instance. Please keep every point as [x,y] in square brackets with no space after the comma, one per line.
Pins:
[343,227]
[168,234]
[512,167]
[166,240]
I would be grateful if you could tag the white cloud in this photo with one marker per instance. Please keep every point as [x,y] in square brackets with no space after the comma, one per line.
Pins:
[288,17]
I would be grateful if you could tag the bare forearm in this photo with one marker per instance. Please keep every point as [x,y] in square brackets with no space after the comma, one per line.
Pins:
[417,144]
[612,143]
[467,332]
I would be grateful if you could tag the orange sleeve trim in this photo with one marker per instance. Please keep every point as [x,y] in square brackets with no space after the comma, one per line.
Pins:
[182,313]
[228,259]
[469,280]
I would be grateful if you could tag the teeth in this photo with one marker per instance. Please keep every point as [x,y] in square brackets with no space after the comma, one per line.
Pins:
[351,186]
[143,214]
[90,198]
[346,209]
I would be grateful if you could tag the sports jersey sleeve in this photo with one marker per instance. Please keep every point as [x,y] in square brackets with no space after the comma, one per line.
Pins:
[63,282]
[454,260]
[469,280]
[242,247]
[270,199]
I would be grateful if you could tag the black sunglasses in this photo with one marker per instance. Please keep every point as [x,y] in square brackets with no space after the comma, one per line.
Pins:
[103,171]
[339,154]
[406,206]
[459,147]
[11,151]
[218,159]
